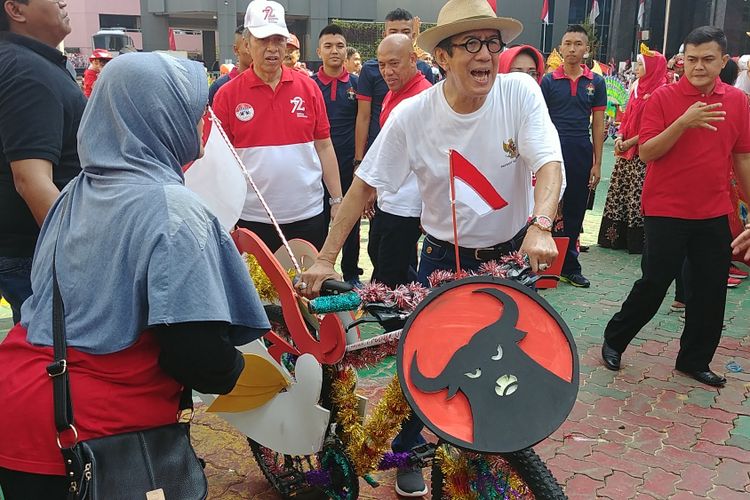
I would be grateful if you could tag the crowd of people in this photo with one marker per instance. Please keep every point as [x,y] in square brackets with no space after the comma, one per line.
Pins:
[96,214]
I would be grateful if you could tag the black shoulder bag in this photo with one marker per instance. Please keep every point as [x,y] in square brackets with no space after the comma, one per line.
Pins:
[154,464]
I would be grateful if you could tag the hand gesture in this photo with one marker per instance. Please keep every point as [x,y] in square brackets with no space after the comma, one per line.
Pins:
[701,115]
[741,244]
[310,281]
[540,247]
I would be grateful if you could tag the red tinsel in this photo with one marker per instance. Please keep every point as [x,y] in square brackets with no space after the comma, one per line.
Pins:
[365,358]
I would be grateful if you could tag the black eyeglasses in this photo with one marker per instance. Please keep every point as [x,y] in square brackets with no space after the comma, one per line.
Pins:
[474,45]
[532,73]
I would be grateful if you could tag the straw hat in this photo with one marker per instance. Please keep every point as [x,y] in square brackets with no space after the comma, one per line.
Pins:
[459,16]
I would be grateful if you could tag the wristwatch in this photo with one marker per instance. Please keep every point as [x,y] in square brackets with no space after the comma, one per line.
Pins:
[542,222]
[356,163]
[335,201]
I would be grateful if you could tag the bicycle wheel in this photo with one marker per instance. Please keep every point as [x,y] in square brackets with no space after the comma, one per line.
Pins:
[519,475]
[329,474]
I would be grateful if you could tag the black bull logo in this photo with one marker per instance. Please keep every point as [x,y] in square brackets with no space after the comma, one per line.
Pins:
[515,402]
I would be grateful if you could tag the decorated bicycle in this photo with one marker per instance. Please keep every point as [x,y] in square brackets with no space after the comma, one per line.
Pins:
[483,361]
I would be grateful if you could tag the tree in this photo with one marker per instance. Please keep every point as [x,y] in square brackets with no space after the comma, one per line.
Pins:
[594,43]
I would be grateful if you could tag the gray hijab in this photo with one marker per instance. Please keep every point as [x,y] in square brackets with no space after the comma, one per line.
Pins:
[137,249]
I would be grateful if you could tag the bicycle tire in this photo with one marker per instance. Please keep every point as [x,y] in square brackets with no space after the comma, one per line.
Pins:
[528,467]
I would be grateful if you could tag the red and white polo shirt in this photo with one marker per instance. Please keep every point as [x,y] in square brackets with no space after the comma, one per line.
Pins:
[274,132]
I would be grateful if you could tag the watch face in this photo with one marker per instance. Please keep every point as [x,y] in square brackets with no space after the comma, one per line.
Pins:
[542,222]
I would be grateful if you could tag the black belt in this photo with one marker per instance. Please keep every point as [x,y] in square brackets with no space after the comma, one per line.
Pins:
[494,252]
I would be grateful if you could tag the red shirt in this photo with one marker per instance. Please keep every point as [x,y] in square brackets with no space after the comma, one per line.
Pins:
[417,84]
[111,394]
[253,114]
[89,79]
[691,181]
[290,118]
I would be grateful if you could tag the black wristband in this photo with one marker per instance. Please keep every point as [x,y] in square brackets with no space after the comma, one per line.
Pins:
[356,163]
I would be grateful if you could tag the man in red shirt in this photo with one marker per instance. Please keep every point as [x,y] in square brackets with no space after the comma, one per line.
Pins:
[276,119]
[689,135]
[394,228]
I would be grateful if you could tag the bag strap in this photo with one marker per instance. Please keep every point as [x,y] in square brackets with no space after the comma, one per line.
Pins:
[58,369]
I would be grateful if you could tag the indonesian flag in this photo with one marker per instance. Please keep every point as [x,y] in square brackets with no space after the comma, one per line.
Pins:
[545,12]
[218,179]
[641,12]
[594,11]
[471,188]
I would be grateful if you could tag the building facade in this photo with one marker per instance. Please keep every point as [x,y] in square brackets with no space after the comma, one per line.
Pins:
[205,28]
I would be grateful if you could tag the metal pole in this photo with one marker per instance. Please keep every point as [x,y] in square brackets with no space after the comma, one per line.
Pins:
[666,27]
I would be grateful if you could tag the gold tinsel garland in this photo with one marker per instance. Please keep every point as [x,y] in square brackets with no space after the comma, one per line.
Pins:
[266,290]
[459,473]
[366,444]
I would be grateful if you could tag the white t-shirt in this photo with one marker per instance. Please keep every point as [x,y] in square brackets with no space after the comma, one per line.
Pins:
[406,202]
[508,137]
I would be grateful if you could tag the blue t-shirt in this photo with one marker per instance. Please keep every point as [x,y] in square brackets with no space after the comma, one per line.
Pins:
[341,106]
[372,88]
[571,102]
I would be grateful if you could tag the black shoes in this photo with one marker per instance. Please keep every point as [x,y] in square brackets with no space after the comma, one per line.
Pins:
[611,357]
[577,280]
[705,377]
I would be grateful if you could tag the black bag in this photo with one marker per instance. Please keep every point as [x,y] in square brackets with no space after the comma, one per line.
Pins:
[154,464]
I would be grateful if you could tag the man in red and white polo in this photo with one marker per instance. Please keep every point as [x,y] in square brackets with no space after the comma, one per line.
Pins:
[276,119]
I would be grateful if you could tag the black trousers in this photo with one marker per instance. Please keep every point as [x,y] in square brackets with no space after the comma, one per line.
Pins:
[312,230]
[350,251]
[392,247]
[669,242]
[578,154]
[24,486]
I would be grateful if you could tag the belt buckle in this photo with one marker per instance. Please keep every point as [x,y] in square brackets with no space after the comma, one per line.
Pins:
[478,250]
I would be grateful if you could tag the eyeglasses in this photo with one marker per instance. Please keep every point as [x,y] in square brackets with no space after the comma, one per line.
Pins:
[532,73]
[474,45]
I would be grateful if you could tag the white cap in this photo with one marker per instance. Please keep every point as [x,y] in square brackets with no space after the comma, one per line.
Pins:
[264,18]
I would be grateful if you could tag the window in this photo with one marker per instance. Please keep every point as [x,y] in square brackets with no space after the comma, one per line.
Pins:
[128,23]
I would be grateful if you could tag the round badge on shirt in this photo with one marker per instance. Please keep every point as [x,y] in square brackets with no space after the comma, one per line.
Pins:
[244,112]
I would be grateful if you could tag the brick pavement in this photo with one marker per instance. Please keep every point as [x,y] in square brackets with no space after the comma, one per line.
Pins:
[645,432]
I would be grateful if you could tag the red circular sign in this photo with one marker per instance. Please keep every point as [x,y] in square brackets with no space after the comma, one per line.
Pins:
[488,365]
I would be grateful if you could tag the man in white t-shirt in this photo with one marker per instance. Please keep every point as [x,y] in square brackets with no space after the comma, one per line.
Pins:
[492,121]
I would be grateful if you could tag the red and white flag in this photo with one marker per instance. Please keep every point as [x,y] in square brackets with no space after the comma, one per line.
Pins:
[471,187]
[545,12]
[594,11]
[172,42]
[493,4]
[641,12]
[218,179]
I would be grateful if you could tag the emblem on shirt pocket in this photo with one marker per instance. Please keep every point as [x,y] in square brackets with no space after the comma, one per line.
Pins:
[510,149]
[298,107]
[351,94]
[590,89]
[244,112]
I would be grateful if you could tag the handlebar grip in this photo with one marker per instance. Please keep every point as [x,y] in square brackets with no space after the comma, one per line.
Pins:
[334,303]
[334,287]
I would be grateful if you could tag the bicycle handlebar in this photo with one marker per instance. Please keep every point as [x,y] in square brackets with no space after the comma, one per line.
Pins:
[348,301]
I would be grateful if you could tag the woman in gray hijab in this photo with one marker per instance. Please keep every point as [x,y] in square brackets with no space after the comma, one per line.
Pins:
[156,294]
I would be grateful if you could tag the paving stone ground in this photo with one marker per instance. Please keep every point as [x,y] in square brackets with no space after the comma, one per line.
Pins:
[644,432]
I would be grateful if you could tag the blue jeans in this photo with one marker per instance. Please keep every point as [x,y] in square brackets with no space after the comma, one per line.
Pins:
[15,282]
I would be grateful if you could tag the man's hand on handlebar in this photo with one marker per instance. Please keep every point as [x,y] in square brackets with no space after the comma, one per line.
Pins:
[540,247]
[311,280]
